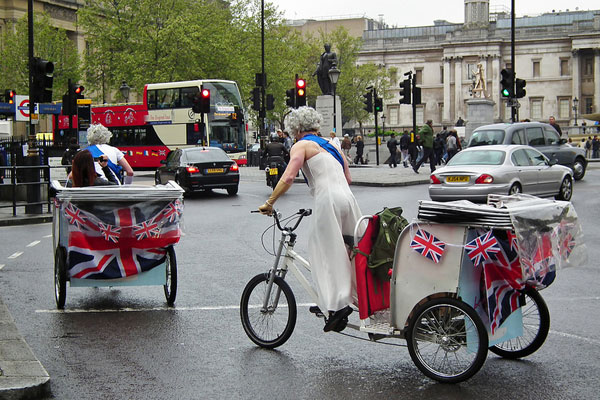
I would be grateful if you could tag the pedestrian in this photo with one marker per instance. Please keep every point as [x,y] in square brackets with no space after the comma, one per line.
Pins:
[404,142]
[588,147]
[452,144]
[444,136]
[2,164]
[438,148]
[360,147]
[426,134]
[69,154]
[460,121]
[335,213]
[334,139]
[412,148]
[346,146]
[552,122]
[98,137]
[392,147]
[287,141]
[595,147]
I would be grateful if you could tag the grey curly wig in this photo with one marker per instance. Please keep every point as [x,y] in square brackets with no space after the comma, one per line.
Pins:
[98,134]
[304,119]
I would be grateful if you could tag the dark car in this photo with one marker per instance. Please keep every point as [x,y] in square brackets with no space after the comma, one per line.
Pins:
[200,169]
[536,134]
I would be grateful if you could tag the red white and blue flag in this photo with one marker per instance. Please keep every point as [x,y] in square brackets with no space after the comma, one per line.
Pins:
[481,248]
[108,242]
[428,245]
[503,281]
[540,270]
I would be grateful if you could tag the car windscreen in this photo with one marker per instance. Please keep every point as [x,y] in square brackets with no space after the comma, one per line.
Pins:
[479,157]
[486,137]
[203,155]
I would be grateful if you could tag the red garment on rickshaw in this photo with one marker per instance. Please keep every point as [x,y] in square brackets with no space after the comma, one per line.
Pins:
[373,294]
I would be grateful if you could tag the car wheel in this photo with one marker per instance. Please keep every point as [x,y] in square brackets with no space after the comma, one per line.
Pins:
[515,189]
[232,191]
[566,189]
[578,169]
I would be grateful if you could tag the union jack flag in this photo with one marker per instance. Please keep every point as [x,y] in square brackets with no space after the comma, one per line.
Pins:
[75,216]
[503,282]
[480,248]
[119,242]
[512,239]
[428,245]
[541,269]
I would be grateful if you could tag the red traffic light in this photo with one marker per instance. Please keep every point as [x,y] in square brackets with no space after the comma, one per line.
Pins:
[79,89]
[205,93]
[10,96]
[300,84]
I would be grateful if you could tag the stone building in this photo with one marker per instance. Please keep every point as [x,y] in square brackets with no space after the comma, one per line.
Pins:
[557,53]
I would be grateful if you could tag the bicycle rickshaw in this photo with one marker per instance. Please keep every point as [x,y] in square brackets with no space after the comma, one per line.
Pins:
[465,278]
[116,236]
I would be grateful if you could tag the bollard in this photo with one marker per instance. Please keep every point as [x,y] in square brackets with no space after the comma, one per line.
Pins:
[32,175]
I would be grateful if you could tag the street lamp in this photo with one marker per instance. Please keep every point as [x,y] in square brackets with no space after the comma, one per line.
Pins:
[575,103]
[124,89]
[334,74]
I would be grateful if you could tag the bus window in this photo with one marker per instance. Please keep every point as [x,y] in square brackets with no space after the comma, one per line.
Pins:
[187,96]
[166,97]
[151,99]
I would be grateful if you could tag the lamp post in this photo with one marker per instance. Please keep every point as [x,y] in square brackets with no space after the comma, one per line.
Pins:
[575,103]
[334,74]
[383,125]
[124,89]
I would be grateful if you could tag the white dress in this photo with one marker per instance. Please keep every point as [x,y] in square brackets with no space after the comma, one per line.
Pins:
[335,213]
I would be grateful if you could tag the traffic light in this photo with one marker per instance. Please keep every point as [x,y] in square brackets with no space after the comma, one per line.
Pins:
[74,92]
[290,98]
[42,80]
[520,88]
[9,96]
[416,94]
[507,83]
[378,104]
[368,101]
[270,102]
[300,92]
[405,90]
[205,101]
[256,99]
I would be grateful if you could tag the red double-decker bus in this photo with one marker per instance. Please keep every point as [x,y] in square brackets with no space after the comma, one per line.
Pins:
[146,132]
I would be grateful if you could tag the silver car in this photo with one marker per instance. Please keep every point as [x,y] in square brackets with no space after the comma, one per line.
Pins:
[474,173]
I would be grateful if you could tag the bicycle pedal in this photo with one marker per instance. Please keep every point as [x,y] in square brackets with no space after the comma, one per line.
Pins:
[317,311]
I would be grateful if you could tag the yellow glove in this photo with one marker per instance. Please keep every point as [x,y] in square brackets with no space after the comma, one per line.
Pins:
[279,190]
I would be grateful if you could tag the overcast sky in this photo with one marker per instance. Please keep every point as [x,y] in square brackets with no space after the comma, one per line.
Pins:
[416,13]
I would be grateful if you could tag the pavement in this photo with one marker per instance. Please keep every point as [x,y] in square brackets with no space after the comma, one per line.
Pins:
[22,376]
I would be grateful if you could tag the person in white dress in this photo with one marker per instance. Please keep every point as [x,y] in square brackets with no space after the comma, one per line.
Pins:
[335,212]
[98,137]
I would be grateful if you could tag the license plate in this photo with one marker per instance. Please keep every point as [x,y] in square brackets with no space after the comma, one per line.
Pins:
[457,179]
[214,171]
[273,171]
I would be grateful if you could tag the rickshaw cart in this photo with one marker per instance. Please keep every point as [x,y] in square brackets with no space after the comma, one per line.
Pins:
[116,236]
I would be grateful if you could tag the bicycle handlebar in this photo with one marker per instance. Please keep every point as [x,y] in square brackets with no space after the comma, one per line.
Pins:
[302,212]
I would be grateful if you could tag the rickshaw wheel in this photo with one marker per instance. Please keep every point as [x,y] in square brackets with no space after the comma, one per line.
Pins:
[171,270]
[273,326]
[536,324]
[60,277]
[447,340]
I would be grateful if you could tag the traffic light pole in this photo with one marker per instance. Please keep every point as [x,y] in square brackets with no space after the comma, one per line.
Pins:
[513,109]
[376,128]
[30,56]
[414,107]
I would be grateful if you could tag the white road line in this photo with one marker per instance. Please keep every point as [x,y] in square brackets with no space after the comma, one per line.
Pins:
[2,266]
[48,236]
[33,243]
[117,310]
[571,336]
[15,255]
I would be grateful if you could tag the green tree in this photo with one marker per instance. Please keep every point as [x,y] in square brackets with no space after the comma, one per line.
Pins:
[50,44]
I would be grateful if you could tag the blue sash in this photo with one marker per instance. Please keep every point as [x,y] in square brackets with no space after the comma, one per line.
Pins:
[324,143]
[96,152]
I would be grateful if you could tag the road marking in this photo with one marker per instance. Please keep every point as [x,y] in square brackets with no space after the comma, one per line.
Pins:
[15,255]
[33,243]
[571,336]
[48,236]
[117,310]
[2,266]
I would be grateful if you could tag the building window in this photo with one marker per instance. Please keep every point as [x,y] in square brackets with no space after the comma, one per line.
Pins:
[470,71]
[393,116]
[564,108]
[564,67]
[587,105]
[536,109]
[588,67]
[441,111]
[441,74]
[536,69]
[419,76]
[420,114]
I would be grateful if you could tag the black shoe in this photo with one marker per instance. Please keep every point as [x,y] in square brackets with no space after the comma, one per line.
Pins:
[316,310]
[341,325]
[416,170]
[335,318]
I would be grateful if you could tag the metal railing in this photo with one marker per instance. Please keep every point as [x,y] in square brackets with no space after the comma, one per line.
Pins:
[36,181]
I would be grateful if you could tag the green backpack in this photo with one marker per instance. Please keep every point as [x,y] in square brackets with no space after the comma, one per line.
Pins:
[381,259]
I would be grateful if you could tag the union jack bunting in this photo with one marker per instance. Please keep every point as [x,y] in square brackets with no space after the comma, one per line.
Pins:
[428,245]
[503,280]
[512,240]
[480,248]
[541,269]
[107,242]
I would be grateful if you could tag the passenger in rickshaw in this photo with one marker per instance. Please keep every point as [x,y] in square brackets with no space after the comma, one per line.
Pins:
[98,137]
[83,172]
[335,212]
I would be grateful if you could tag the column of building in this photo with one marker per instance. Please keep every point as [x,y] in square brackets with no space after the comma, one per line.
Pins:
[596,81]
[495,89]
[576,74]
[447,99]
[458,95]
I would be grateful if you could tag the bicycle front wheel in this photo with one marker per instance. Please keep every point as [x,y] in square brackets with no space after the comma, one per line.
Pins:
[272,326]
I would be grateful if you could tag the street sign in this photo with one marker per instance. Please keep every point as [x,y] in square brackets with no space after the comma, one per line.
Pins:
[22,108]
[84,101]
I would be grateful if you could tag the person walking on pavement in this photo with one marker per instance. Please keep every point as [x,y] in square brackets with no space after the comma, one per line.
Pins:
[552,121]
[404,142]
[451,144]
[438,148]
[335,140]
[346,146]
[426,134]
[595,147]
[360,148]
[392,147]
